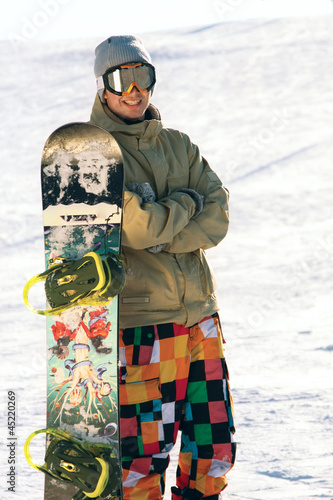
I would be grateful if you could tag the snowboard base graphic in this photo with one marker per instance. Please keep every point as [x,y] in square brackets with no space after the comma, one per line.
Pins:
[82,187]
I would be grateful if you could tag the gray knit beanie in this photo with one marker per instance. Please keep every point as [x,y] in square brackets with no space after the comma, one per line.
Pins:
[118,50]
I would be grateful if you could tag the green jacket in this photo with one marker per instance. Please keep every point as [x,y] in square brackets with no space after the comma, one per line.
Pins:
[175,285]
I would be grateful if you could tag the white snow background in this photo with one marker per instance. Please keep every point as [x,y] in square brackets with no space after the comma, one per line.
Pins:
[257,97]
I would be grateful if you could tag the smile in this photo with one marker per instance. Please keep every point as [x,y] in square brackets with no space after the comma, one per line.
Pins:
[133,102]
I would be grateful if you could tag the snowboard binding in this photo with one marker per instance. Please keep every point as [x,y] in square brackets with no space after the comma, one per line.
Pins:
[72,282]
[88,467]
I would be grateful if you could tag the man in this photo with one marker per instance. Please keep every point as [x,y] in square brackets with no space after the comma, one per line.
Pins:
[173,371]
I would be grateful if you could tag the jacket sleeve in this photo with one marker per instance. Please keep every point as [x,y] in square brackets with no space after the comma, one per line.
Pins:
[211,226]
[150,224]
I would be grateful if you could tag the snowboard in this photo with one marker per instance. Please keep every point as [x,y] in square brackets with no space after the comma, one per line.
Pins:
[82,189]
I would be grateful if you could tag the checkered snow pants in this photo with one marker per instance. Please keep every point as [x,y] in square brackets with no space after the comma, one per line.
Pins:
[174,378]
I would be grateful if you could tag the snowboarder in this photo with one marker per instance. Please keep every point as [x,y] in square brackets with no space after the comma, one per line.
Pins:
[173,372]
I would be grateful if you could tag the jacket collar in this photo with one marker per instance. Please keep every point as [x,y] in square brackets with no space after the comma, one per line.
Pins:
[146,130]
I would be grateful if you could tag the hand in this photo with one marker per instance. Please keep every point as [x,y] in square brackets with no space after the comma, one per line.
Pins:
[198,199]
[144,190]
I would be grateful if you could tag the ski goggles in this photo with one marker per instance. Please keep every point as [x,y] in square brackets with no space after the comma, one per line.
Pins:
[121,79]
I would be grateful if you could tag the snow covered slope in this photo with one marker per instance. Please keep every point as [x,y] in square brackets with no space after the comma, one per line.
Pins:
[257,96]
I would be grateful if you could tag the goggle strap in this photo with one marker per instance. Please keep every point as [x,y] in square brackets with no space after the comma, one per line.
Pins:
[100,83]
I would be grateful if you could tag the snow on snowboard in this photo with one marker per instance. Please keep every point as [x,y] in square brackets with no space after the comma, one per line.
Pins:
[82,188]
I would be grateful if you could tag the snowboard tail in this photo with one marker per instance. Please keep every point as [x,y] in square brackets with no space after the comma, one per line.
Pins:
[92,469]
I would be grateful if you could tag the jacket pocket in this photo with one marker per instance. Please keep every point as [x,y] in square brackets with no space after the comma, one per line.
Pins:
[153,283]
[177,182]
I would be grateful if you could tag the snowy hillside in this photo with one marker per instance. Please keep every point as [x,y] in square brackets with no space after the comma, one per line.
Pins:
[257,97]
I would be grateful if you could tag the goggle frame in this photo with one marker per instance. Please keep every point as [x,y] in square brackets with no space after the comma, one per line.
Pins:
[103,81]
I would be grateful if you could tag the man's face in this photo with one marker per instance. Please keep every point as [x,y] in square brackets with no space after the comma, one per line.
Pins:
[129,107]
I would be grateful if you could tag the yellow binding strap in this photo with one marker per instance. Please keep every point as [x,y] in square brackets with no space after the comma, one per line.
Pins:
[104,475]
